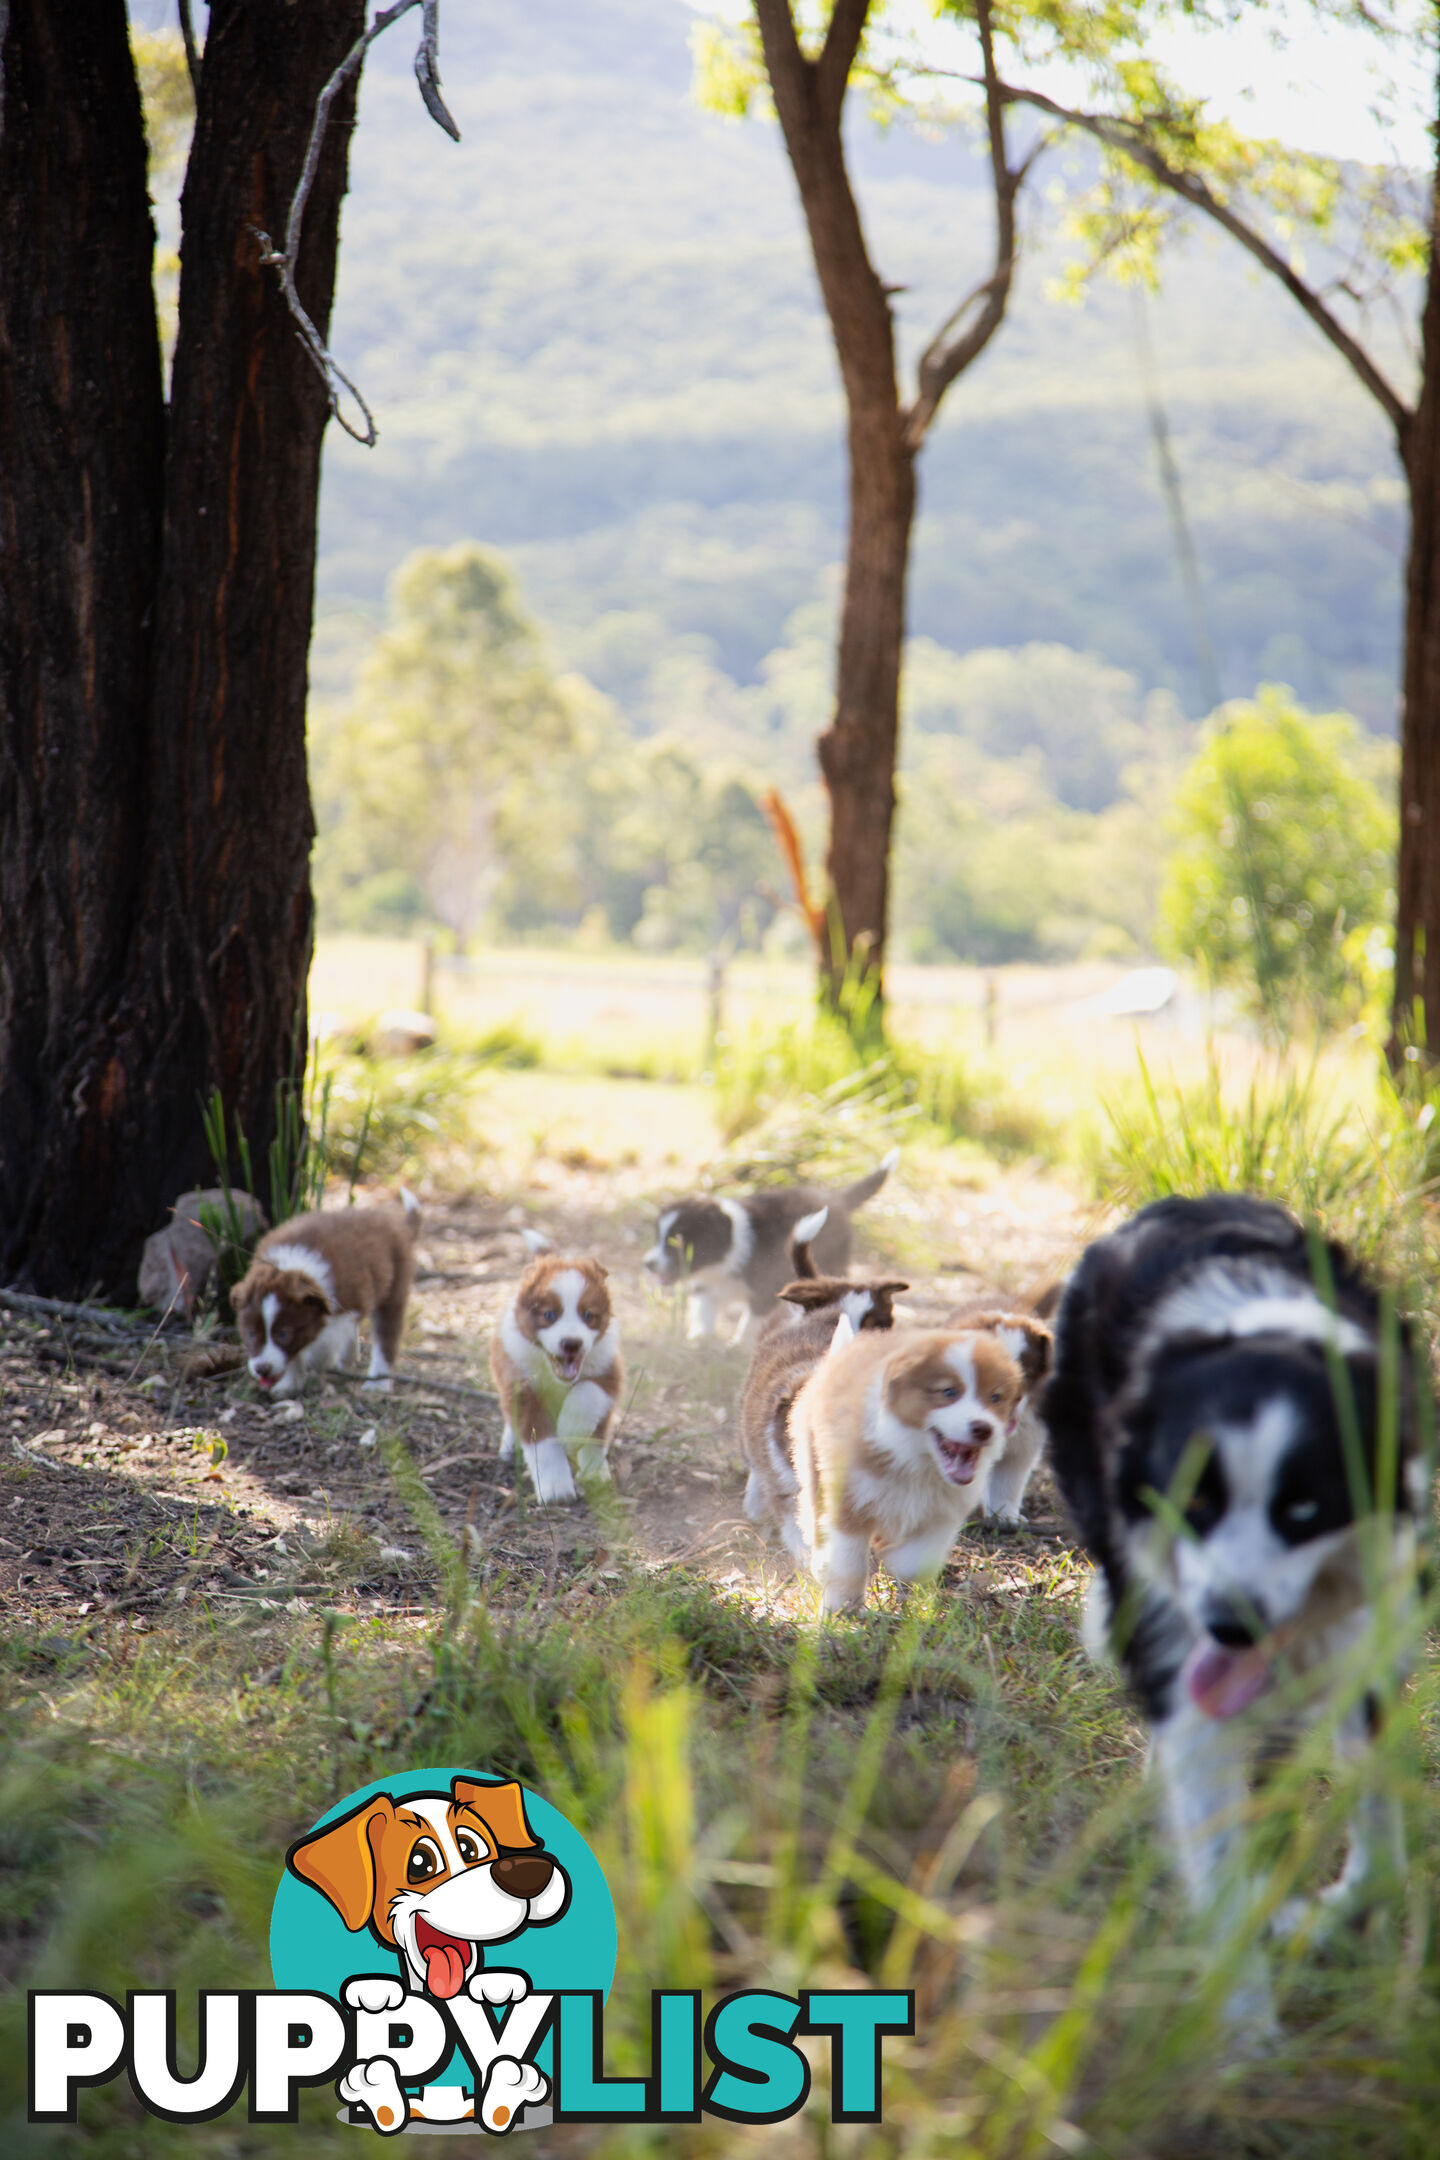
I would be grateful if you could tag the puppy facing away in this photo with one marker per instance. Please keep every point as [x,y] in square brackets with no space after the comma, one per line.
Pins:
[314,1279]
[1029,1342]
[555,1358]
[790,1345]
[1215,1428]
[895,1436]
[178,1261]
[737,1252]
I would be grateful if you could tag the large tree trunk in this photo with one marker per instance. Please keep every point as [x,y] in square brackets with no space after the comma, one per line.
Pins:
[1417,920]
[201,877]
[81,462]
[858,750]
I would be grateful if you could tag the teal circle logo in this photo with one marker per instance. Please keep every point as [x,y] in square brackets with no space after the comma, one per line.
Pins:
[435,1877]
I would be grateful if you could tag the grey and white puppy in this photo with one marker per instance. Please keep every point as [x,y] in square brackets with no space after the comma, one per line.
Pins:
[737,1252]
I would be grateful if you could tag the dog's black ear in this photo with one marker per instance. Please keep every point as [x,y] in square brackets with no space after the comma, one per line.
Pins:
[887,1289]
[1029,1342]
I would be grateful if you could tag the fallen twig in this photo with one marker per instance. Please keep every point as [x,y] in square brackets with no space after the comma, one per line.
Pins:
[21,1301]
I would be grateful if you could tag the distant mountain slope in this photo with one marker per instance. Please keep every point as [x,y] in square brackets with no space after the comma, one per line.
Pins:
[592,339]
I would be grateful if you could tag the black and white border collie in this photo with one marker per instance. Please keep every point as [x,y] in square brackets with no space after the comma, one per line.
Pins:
[737,1252]
[1198,1428]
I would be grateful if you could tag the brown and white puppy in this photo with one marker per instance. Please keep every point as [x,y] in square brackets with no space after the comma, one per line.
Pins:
[556,1363]
[178,1261]
[435,1877]
[790,1345]
[314,1279]
[895,1436]
[1029,1342]
[733,1252]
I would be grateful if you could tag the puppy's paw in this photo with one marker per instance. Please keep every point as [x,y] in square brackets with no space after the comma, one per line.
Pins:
[375,2087]
[374,1992]
[382,1384]
[510,2086]
[498,1987]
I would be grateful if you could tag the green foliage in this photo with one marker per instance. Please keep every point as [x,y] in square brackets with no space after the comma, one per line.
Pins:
[297,1163]
[1284,845]
[166,96]
[1366,1180]
[468,784]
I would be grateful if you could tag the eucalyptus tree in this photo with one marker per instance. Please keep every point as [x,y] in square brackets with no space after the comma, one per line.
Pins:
[1163,154]
[156,584]
[805,63]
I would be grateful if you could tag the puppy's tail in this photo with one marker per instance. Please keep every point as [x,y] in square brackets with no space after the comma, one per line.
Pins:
[411,1206]
[865,1188]
[802,1237]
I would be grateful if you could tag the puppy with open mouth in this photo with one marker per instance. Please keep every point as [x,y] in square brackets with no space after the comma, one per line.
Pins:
[437,1878]
[895,1437]
[555,1360]
[1218,1429]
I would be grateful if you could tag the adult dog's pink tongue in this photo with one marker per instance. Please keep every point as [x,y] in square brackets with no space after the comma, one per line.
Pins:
[1223,1681]
[444,1969]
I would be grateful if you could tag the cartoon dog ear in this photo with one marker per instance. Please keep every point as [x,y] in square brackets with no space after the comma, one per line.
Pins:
[500,1807]
[339,1861]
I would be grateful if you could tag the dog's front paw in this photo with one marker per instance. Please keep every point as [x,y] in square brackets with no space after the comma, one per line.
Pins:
[374,1992]
[381,1384]
[498,1987]
[510,2086]
[374,2086]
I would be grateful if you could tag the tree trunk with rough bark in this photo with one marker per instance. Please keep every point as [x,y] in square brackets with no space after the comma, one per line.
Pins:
[155,605]
[1416,1019]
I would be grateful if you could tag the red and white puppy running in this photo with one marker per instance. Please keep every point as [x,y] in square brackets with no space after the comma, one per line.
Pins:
[895,1437]
[555,1358]
[314,1279]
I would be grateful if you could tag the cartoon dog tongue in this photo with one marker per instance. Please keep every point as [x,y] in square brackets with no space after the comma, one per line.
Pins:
[1223,1680]
[445,1962]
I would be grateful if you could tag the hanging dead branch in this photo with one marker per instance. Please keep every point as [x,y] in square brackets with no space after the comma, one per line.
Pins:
[427,75]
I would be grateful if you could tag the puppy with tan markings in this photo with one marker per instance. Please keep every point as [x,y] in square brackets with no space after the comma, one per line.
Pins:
[435,1877]
[314,1279]
[790,1345]
[1029,1342]
[896,1436]
[556,1363]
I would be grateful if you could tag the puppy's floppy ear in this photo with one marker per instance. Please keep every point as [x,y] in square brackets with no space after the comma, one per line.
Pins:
[339,1861]
[809,1295]
[1030,1343]
[500,1807]
[886,1289]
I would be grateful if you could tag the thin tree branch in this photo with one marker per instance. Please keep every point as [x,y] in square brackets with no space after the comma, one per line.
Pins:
[948,355]
[837,57]
[192,50]
[427,74]
[1126,137]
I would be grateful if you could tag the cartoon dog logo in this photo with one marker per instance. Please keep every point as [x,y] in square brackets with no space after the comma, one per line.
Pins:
[436,1877]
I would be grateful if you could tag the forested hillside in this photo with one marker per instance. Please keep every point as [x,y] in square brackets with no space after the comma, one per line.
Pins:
[592,341]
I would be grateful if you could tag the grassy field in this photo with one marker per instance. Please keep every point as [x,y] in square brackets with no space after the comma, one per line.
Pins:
[220,1619]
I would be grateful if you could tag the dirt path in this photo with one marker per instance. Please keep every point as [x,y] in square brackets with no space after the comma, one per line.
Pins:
[123,1497]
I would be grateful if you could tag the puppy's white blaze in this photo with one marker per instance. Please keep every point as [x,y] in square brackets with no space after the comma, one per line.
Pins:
[810,1226]
[1253,1299]
[742,1237]
[855,1304]
[656,1256]
[1015,1340]
[889,1159]
[408,1201]
[845,1332]
[1244,1557]
[304,1260]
